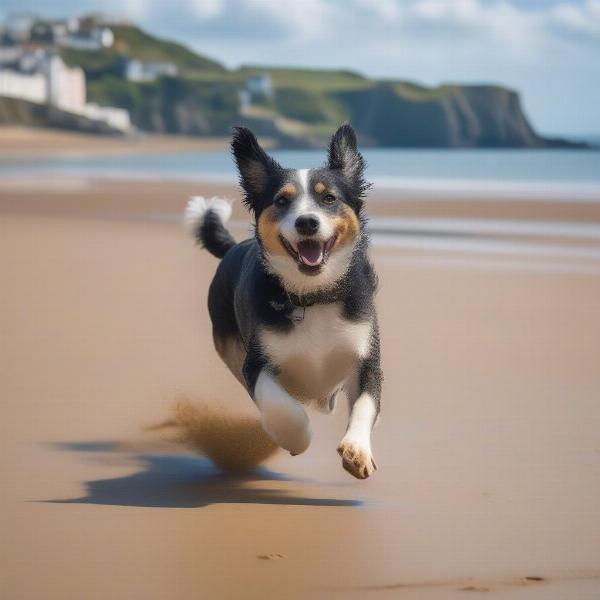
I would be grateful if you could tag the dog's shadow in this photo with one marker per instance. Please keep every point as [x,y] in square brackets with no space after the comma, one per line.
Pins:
[187,481]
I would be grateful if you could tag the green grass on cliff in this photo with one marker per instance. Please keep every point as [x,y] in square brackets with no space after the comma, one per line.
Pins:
[135,43]
[132,42]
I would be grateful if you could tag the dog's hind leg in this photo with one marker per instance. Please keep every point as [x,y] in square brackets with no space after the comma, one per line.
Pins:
[232,353]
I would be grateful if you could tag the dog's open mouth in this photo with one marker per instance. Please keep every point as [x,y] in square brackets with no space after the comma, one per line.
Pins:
[310,254]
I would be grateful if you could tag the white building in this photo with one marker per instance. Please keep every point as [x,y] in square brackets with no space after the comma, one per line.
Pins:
[117,118]
[47,80]
[58,85]
[245,100]
[66,85]
[27,87]
[139,71]
[32,60]
[90,41]
[260,86]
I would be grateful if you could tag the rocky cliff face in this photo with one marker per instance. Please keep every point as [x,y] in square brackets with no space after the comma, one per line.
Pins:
[22,112]
[449,117]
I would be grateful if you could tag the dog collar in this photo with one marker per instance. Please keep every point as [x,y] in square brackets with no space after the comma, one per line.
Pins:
[321,297]
[301,301]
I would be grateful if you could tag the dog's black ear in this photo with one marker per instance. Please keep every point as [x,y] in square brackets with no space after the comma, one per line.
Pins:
[344,154]
[345,157]
[255,166]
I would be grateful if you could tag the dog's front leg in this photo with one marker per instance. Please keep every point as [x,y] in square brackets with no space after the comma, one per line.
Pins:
[282,416]
[364,394]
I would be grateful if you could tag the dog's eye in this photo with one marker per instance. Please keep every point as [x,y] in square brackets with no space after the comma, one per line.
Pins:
[329,199]
[280,201]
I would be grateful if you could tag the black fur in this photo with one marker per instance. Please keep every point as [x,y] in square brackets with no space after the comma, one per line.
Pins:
[260,175]
[345,159]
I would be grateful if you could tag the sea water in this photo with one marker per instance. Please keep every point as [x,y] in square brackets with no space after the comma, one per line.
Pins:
[506,172]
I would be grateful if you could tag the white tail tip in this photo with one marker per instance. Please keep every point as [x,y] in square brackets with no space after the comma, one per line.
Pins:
[198,206]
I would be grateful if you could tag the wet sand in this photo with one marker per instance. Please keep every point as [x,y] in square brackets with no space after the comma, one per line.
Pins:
[101,197]
[488,447]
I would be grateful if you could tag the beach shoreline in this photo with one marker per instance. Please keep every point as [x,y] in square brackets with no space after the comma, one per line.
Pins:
[54,160]
[80,193]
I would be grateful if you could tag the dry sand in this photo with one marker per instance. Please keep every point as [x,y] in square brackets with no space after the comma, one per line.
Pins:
[17,142]
[488,447]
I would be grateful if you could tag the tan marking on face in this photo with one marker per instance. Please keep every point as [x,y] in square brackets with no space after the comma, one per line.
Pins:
[347,227]
[320,187]
[288,191]
[268,231]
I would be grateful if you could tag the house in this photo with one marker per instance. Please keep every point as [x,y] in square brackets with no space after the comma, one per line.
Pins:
[31,87]
[260,86]
[31,60]
[46,79]
[140,71]
[66,85]
[117,118]
[91,41]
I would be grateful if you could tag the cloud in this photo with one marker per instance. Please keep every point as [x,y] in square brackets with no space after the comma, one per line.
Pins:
[582,20]
[323,29]
[206,9]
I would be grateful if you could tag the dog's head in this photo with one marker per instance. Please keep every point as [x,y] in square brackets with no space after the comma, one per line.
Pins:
[308,221]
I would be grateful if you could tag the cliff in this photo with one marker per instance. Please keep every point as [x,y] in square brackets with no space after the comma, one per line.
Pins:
[305,105]
[452,116]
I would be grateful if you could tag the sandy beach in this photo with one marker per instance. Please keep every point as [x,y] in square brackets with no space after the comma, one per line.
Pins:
[488,446]
[25,142]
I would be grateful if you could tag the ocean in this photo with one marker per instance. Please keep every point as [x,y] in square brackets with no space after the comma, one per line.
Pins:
[543,174]
[483,175]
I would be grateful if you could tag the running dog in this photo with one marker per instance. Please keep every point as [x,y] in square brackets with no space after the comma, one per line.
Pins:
[292,309]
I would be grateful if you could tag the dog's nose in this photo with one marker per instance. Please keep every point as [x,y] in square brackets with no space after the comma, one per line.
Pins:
[307,224]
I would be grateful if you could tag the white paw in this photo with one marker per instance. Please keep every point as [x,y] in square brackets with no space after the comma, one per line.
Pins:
[357,458]
[287,432]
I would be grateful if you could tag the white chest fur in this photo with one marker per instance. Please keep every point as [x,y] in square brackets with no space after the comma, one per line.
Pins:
[319,354]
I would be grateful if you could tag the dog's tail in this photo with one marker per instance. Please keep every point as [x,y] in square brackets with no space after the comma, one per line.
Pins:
[206,220]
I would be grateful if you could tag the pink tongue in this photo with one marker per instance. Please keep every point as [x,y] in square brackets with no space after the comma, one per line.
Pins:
[311,253]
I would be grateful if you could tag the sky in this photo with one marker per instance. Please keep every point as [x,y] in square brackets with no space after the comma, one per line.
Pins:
[548,50]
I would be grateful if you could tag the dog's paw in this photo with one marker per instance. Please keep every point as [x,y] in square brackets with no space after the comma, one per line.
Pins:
[287,433]
[356,459]
[287,424]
